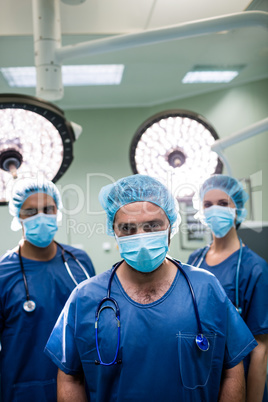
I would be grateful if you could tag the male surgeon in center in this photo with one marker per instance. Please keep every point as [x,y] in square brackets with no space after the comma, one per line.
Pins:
[150,328]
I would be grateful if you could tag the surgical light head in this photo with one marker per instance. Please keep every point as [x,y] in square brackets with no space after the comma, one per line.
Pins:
[232,187]
[24,188]
[137,188]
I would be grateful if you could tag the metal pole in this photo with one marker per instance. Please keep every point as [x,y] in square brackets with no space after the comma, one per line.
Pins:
[47,39]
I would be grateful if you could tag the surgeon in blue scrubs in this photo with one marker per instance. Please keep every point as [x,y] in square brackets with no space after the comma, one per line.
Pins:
[34,286]
[140,334]
[222,200]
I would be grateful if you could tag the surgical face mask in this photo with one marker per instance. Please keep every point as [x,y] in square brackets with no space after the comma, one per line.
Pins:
[145,251]
[220,219]
[40,229]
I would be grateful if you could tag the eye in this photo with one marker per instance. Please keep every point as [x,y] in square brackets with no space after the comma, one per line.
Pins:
[128,229]
[223,203]
[28,212]
[152,226]
[49,209]
[207,204]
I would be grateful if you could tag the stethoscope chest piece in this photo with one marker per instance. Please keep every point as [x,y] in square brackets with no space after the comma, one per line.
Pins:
[29,306]
[202,342]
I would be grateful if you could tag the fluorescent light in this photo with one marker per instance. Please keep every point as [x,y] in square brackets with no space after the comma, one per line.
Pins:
[211,74]
[19,76]
[106,74]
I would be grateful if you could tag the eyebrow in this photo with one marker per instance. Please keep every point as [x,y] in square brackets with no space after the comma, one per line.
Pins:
[44,206]
[222,199]
[160,221]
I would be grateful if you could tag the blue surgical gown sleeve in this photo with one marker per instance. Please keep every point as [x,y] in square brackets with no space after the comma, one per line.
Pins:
[256,300]
[236,330]
[65,357]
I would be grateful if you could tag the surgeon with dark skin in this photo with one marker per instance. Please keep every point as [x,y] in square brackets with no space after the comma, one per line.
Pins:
[34,286]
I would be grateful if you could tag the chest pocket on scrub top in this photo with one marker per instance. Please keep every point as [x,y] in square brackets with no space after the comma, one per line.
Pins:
[195,364]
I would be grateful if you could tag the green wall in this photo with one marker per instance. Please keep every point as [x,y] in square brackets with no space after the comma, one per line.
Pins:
[101,154]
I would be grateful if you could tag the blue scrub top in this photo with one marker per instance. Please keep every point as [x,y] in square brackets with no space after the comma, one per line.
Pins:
[160,360]
[26,373]
[253,285]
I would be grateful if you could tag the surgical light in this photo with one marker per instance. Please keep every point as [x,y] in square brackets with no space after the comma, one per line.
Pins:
[35,138]
[175,147]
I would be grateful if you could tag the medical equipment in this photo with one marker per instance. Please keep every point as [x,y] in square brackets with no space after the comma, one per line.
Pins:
[220,219]
[29,305]
[161,148]
[200,339]
[144,251]
[201,258]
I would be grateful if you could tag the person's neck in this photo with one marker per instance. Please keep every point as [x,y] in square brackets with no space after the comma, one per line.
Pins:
[229,243]
[32,252]
[166,271]
[146,288]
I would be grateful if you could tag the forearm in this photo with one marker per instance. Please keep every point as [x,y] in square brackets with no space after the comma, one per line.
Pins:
[70,388]
[233,385]
[257,370]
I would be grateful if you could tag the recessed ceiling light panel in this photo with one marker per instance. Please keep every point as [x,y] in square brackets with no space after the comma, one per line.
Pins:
[175,147]
[34,138]
[100,74]
[211,74]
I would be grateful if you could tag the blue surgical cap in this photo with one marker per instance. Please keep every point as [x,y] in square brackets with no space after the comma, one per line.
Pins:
[138,188]
[232,187]
[24,188]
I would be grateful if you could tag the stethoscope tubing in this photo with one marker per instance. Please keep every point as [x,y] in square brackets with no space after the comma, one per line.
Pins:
[24,276]
[30,305]
[200,258]
[201,341]
[192,293]
[63,251]
[108,298]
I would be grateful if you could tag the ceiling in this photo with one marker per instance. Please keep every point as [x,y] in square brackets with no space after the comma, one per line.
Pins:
[153,73]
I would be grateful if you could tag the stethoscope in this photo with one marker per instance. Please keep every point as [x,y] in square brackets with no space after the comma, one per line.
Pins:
[200,339]
[30,305]
[201,258]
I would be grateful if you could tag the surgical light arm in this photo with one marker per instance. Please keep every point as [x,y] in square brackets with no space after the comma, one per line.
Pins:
[49,54]
[220,145]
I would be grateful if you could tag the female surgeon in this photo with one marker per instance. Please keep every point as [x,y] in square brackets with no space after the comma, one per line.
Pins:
[242,273]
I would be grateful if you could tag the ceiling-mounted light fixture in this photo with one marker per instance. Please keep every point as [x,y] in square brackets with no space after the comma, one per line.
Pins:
[175,147]
[34,137]
[50,54]
[78,75]
[211,74]
[73,2]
